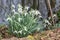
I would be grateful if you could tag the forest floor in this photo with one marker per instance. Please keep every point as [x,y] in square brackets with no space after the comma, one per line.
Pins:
[45,35]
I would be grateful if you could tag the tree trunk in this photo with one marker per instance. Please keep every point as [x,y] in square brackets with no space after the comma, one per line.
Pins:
[50,10]
[35,4]
[38,5]
[52,2]
[23,3]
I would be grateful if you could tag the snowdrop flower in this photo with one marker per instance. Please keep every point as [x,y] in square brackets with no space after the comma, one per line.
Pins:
[19,6]
[19,19]
[32,11]
[45,25]
[37,12]
[26,7]
[49,18]
[13,5]
[54,15]
[38,29]
[25,28]
[9,19]
[20,32]
[15,13]
[46,21]
[40,16]
[13,10]
[15,31]
[49,23]
[20,10]
[26,14]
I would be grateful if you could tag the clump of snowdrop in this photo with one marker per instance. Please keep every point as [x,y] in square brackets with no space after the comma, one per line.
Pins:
[23,22]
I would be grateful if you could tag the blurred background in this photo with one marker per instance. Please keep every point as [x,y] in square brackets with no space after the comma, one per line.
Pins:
[5,6]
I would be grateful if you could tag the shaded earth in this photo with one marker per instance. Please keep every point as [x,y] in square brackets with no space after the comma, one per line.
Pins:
[45,35]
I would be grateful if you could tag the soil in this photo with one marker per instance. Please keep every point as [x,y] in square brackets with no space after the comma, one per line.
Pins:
[45,35]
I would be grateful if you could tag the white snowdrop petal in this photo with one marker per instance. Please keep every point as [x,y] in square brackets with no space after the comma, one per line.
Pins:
[19,6]
[54,15]
[13,5]
[19,19]
[13,10]
[20,31]
[25,28]
[9,19]
[38,29]
[26,7]
[15,31]
[20,10]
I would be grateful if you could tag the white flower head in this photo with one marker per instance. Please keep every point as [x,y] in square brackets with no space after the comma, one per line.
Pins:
[15,31]
[32,11]
[26,7]
[49,18]
[20,31]
[13,6]
[20,10]
[13,10]
[15,13]
[38,29]
[26,14]
[37,12]
[19,19]
[25,28]
[9,19]
[40,16]
[54,15]
[46,21]
[19,6]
